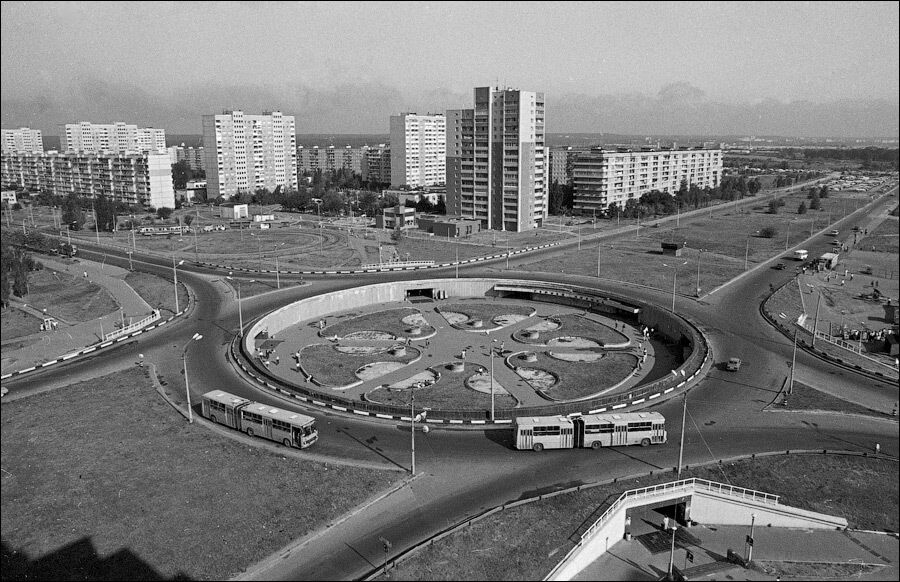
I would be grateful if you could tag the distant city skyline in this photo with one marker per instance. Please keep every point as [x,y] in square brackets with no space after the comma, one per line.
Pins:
[795,69]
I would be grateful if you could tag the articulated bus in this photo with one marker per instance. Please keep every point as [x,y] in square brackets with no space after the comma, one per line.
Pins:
[590,431]
[154,230]
[257,419]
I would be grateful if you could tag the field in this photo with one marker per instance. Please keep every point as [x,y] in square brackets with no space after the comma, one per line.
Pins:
[71,299]
[333,368]
[96,494]
[448,393]
[806,398]
[582,379]
[526,542]
[386,321]
[884,238]
[158,292]
[575,325]
[17,323]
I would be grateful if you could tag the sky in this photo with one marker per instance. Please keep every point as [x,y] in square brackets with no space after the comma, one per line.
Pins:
[786,68]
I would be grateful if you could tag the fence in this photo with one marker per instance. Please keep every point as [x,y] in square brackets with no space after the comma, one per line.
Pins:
[133,326]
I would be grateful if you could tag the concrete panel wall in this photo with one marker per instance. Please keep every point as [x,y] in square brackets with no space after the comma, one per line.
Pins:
[610,533]
[709,507]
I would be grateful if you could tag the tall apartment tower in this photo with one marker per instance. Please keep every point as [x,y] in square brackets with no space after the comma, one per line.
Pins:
[418,150]
[118,137]
[244,153]
[497,167]
[22,141]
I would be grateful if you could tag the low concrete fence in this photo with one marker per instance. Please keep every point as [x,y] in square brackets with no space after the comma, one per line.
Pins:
[133,327]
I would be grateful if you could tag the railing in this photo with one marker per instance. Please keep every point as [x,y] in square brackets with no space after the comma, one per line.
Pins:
[396,265]
[133,326]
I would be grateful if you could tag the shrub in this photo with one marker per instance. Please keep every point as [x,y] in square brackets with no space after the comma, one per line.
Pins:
[768,232]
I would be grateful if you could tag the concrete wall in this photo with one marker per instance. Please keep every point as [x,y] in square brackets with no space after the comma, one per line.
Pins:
[605,537]
[710,507]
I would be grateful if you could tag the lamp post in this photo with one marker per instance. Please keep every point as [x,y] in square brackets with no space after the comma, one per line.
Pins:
[843,312]
[507,252]
[240,312]
[175,276]
[672,553]
[412,423]
[681,447]
[750,538]
[746,253]
[699,259]
[277,274]
[130,266]
[793,364]
[598,259]
[492,376]
[187,390]
[674,280]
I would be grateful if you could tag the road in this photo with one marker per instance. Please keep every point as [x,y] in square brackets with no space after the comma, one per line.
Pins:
[465,472]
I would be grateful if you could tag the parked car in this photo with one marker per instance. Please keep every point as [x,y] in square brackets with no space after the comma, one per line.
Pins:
[780,266]
[834,232]
[734,364]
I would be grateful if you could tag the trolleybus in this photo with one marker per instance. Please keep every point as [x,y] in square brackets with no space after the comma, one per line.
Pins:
[590,431]
[257,419]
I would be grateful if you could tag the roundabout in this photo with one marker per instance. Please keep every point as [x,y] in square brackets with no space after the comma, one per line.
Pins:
[473,350]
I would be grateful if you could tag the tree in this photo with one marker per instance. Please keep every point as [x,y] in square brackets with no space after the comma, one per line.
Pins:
[802,208]
[105,208]
[72,214]
[181,173]
[814,202]
[333,201]
[441,206]
[188,219]
[773,206]
[164,213]
[768,232]
[823,192]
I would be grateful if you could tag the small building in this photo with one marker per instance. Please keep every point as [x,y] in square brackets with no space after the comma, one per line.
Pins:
[263,217]
[233,211]
[396,217]
[673,249]
[449,226]
[8,196]
[827,261]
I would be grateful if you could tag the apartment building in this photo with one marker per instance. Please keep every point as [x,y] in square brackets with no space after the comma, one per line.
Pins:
[244,153]
[562,163]
[602,177]
[130,178]
[496,160]
[376,165]
[193,156]
[118,137]
[22,141]
[418,150]
[330,159]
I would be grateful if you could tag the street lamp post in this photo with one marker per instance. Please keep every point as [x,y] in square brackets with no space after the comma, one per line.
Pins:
[699,259]
[681,447]
[130,266]
[412,423]
[672,553]
[175,276]
[746,253]
[674,281]
[240,312]
[187,390]
[598,259]
[750,538]
[793,364]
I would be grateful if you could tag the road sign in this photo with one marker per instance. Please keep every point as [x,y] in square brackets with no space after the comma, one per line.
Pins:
[387,544]
[750,540]
[690,557]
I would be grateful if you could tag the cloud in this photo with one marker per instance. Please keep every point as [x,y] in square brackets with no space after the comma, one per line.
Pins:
[678,108]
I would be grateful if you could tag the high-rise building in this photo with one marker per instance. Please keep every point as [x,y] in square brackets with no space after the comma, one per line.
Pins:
[22,141]
[605,177]
[418,150]
[244,153]
[562,163]
[377,163]
[118,137]
[496,160]
[330,159]
[130,178]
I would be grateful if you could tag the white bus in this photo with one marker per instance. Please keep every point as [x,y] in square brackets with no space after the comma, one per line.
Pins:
[590,431]
[256,419]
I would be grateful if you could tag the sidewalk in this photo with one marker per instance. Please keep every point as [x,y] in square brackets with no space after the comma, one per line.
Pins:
[70,337]
[709,544]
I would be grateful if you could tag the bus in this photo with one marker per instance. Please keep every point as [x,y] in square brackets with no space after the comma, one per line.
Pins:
[256,419]
[154,230]
[590,431]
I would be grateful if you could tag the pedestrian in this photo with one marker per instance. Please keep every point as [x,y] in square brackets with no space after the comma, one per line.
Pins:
[464,354]
[665,523]
[877,448]
[277,360]
[85,273]
[842,282]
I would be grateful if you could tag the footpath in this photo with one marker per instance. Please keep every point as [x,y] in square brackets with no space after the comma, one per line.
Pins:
[68,337]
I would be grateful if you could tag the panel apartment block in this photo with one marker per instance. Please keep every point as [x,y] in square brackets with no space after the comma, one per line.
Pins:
[418,150]
[244,153]
[605,177]
[330,159]
[22,141]
[118,137]
[497,166]
[130,178]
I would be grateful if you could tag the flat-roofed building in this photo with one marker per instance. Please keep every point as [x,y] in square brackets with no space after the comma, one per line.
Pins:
[376,165]
[22,141]
[418,150]
[118,137]
[602,177]
[496,160]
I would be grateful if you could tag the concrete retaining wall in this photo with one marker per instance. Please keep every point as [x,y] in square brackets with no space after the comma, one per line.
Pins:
[711,507]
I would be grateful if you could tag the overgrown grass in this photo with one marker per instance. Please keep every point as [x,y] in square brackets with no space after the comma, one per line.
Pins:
[807,398]
[526,542]
[69,298]
[574,325]
[884,238]
[16,323]
[333,368]
[580,379]
[110,462]
[389,321]
[448,393]
[158,292]
[486,312]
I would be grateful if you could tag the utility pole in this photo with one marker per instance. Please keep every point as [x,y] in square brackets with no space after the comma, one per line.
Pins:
[681,447]
[793,364]
[816,323]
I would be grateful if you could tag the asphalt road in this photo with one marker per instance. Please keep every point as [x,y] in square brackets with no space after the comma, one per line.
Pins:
[465,472]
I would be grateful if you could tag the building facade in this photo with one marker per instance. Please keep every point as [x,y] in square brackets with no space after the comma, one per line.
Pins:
[244,153]
[496,160]
[118,137]
[562,164]
[604,177]
[330,159]
[193,156]
[418,150]
[22,141]
[130,178]
[376,164]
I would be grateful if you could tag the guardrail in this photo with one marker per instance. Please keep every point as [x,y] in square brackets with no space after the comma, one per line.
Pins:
[133,326]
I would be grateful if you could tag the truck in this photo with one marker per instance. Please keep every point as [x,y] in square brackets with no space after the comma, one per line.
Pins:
[801,254]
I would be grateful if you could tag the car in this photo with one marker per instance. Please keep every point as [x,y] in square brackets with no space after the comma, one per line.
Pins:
[734,364]
[780,266]
[834,232]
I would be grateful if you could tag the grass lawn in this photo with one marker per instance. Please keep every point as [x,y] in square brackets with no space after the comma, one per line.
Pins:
[333,368]
[486,312]
[448,393]
[577,326]
[806,398]
[158,292]
[885,238]
[109,462]
[71,299]
[580,379]
[526,542]
[16,323]
[389,321]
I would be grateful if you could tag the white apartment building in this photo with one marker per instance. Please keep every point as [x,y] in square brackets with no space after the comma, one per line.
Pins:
[118,137]
[22,141]
[244,153]
[418,150]
[376,164]
[562,161]
[604,177]
[130,178]
[496,160]
[330,159]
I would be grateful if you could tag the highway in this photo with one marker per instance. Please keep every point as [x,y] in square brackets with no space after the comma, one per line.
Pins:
[464,472]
